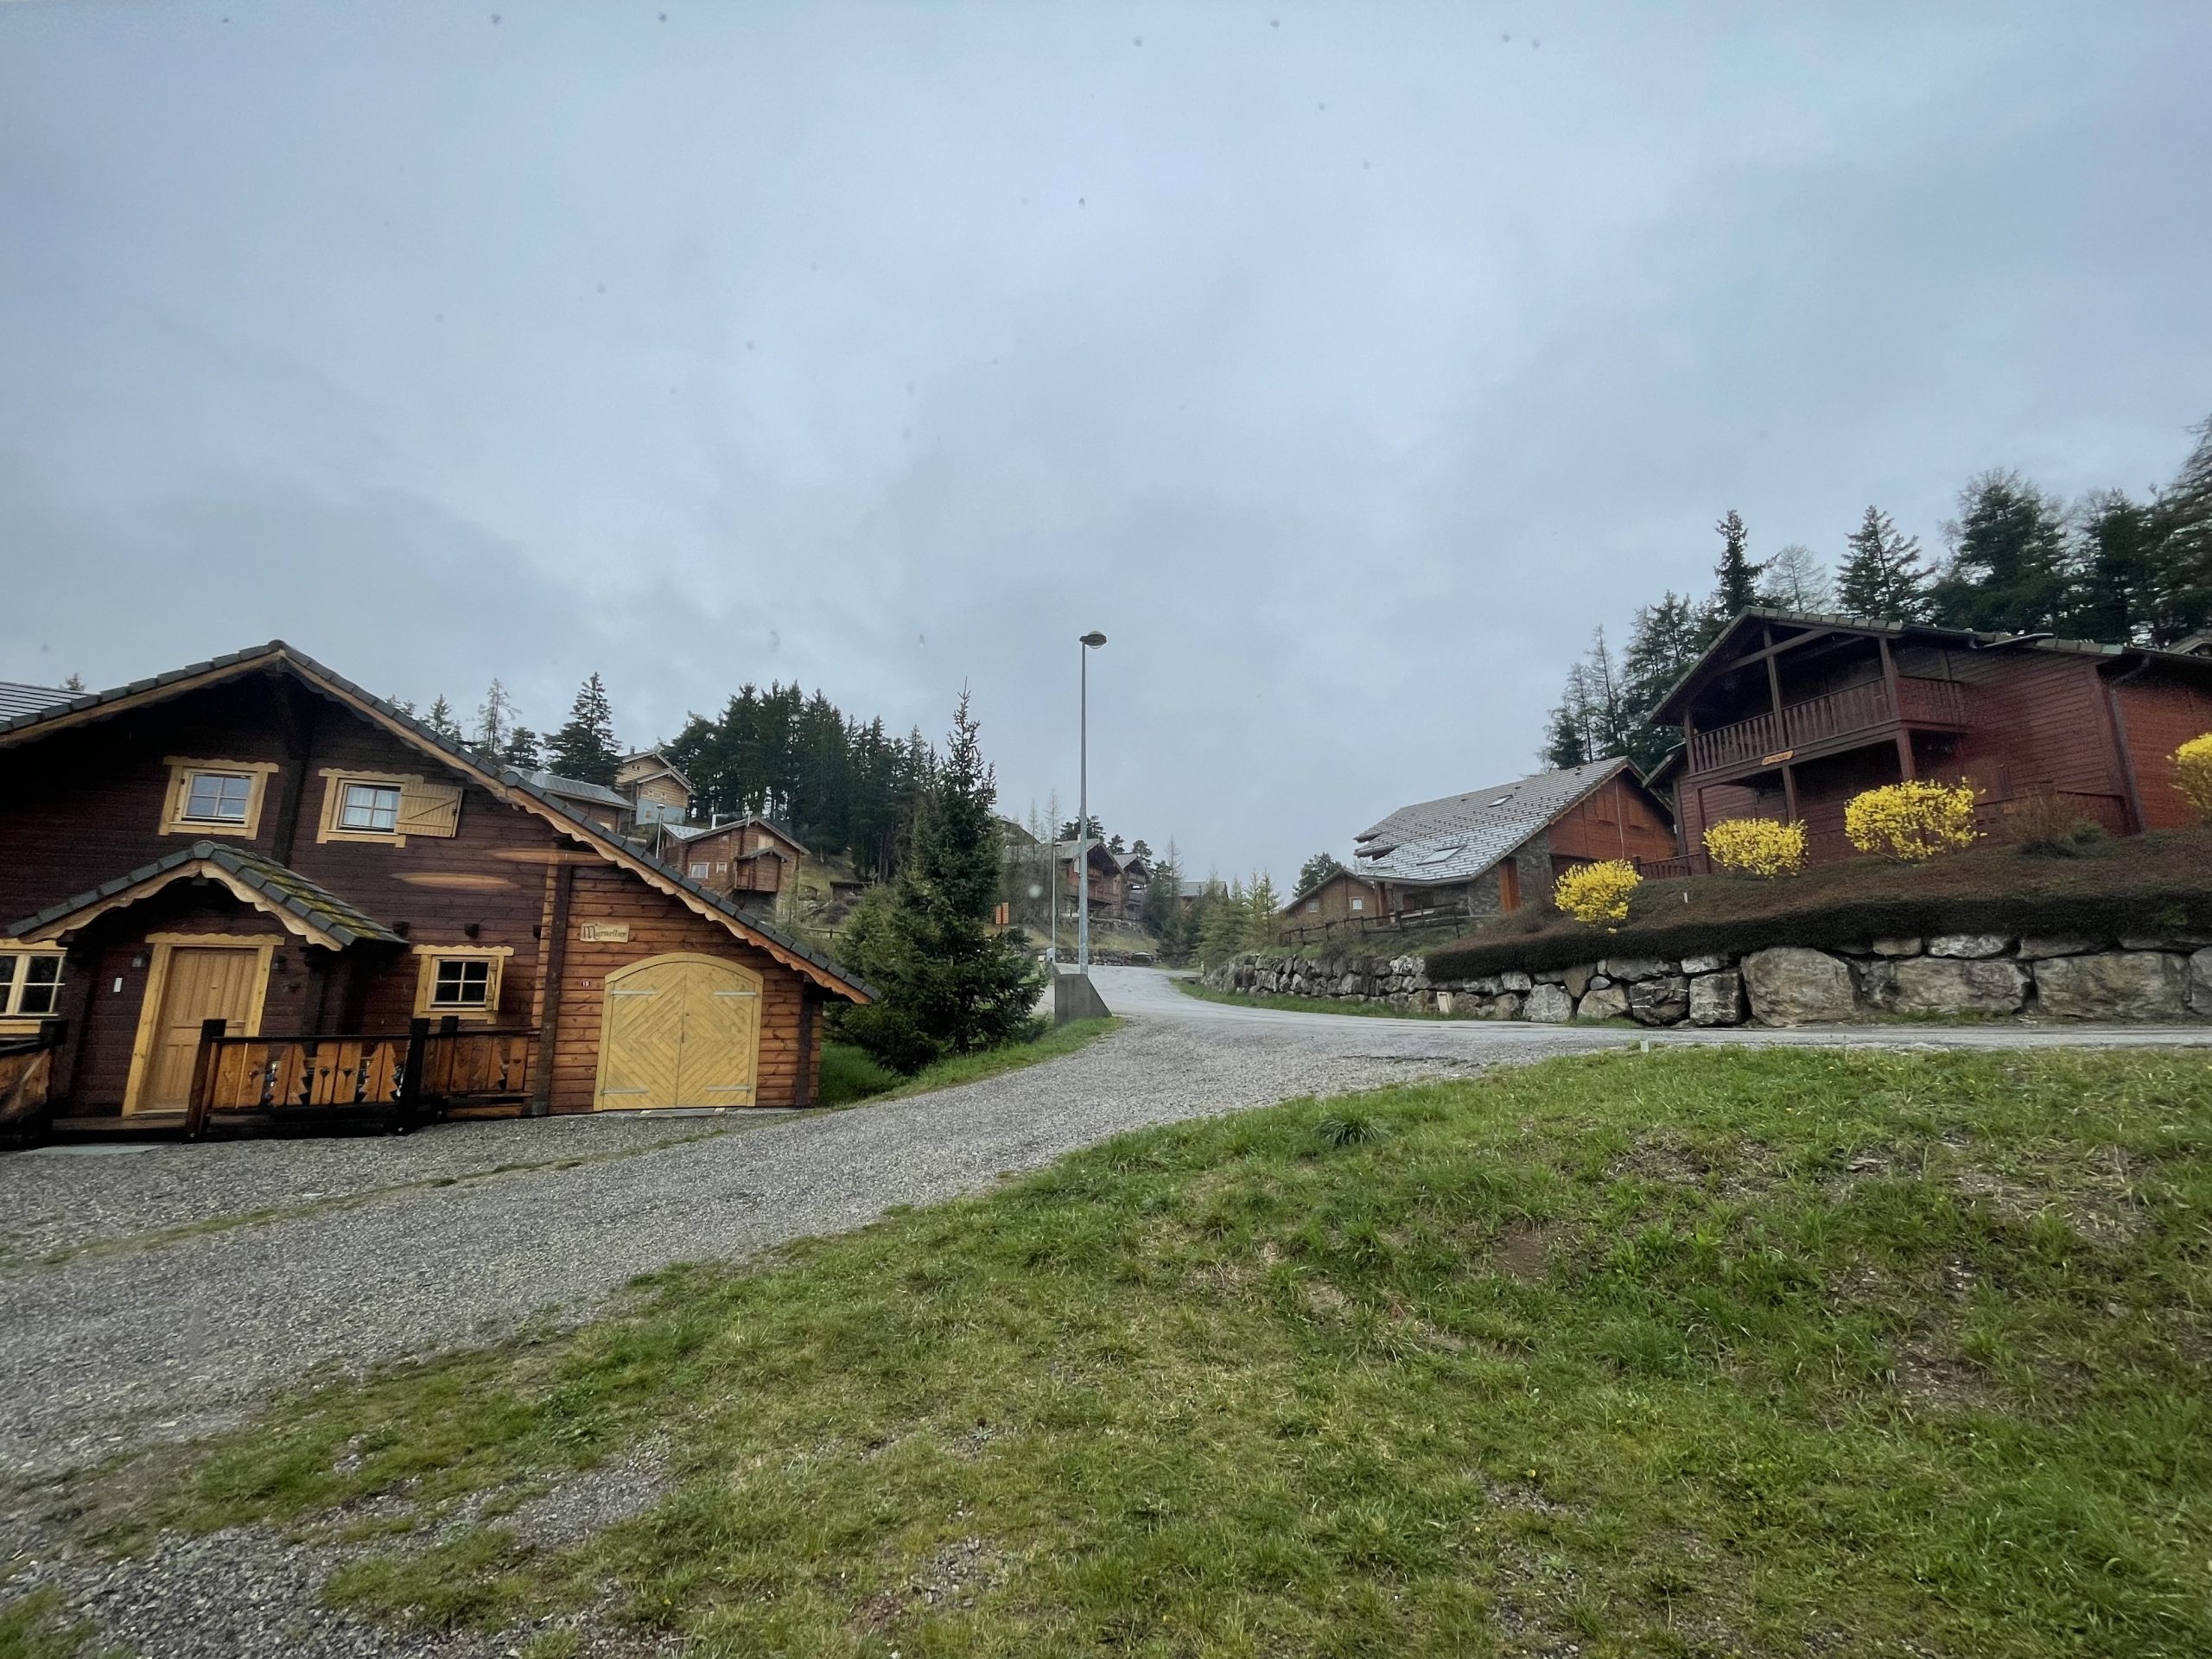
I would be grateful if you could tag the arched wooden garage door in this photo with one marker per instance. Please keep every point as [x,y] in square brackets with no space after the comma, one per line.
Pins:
[679,1031]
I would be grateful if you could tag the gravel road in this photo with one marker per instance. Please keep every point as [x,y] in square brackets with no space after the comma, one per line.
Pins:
[156,1292]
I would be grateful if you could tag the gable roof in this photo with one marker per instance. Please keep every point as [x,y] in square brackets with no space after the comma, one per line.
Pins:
[1719,654]
[575,789]
[663,766]
[1337,874]
[503,783]
[1457,836]
[305,907]
[17,699]
[693,831]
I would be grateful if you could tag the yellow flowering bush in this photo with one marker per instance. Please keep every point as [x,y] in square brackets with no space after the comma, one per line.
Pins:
[1757,845]
[1596,893]
[2192,764]
[1912,821]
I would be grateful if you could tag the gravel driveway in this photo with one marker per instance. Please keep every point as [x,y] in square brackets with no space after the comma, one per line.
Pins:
[156,1292]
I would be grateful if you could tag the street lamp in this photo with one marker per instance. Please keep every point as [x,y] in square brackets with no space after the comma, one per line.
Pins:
[1089,642]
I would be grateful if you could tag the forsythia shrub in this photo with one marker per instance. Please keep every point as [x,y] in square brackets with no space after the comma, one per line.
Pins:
[1757,845]
[1596,893]
[1911,821]
[2193,761]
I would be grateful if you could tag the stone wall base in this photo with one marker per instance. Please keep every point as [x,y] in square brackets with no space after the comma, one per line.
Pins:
[1939,977]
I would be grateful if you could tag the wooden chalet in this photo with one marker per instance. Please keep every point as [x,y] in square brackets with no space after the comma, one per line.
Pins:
[658,792]
[1790,715]
[1118,880]
[250,891]
[1489,851]
[750,857]
[1341,897]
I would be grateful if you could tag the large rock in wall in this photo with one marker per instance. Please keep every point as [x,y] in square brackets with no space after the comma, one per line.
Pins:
[1792,986]
[1942,976]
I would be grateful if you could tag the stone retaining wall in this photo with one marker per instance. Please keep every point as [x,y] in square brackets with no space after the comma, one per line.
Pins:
[1948,976]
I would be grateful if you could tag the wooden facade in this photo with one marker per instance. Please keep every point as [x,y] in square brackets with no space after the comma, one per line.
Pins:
[657,791]
[305,905]
[1789,716]
[750,856]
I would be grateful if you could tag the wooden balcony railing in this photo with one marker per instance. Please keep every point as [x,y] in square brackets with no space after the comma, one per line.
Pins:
[27,1079]
[397,1080]
[1840,713]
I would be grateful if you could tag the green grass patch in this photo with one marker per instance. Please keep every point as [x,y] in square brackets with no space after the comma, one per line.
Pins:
[1305,1004]
[36,1626]
[1697,1352]
[850,1075]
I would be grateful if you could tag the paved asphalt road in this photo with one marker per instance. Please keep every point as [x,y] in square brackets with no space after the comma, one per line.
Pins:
[157,1292]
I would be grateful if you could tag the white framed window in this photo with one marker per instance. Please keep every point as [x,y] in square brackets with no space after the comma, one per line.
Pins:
[462,980]
[368,806]
[214,798]
[1312,904]
[1359,904]
[31,984]
[699,872]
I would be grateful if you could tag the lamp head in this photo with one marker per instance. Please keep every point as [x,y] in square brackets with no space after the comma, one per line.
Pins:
[1094,639]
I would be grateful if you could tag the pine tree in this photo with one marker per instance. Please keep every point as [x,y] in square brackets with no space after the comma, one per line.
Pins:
[1737,578]
[440,719]
[1565,746]
[74,683]
[585,748]
[2183,527]
[1881,578]
[1315,870]
[2008,570]
[945,983]
[1262,917]
[1667,638]
[1797,580]
[1162,899]
[521,750]
[1141,849]
[2118,570]
[495,720]
[1221,924]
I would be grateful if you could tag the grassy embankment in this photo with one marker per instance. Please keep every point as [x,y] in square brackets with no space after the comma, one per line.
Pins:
[1305,1004]
[1691,1353]
[2151,885]
[850,1075]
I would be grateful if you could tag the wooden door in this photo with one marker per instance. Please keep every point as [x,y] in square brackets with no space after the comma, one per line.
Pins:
[680,1031]
[1509,886]
[202,982]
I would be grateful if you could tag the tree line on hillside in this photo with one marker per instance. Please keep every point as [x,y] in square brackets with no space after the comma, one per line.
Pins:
[2109,568]
[842,786]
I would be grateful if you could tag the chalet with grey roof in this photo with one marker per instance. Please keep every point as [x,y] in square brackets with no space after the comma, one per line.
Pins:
[1489,851]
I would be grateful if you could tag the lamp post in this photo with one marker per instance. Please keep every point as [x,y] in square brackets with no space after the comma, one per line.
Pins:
[1089,642]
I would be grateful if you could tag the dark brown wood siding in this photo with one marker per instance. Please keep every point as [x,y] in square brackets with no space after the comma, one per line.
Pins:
[1618,820]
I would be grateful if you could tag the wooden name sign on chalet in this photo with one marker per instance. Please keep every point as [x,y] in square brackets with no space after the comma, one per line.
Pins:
[607,932]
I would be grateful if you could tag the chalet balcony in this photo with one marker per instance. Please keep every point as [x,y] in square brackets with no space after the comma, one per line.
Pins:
[1819,723]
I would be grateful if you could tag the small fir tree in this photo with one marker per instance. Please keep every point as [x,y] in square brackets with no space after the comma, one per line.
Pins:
[1735,585]
[520,751]
[946,983]
[585,747]
[440,719]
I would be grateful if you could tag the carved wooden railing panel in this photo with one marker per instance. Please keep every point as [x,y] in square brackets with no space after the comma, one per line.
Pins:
[401,1077]
[26,1081]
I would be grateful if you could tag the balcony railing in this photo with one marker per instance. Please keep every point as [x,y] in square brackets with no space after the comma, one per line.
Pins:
[27,1079]
[395,1080]
[1817,719]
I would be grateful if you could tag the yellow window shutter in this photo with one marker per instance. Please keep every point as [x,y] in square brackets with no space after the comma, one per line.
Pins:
[428,808]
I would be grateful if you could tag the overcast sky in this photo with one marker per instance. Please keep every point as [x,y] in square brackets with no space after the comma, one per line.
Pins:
[1346,364]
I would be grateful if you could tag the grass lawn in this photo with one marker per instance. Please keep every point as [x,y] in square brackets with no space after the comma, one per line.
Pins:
[1690,1353]
[1305,1004]
[850,1075]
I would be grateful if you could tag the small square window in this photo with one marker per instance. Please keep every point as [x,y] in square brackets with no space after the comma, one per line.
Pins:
[462,982]
[1312,904]
[1359,904]
[698,871]
[31,984]
[369,806]
[217,796]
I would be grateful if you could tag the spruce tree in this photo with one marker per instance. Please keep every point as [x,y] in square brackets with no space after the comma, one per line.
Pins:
[2008,570]
[1736,587]
[440,719]
[585,748]
[2119,568]
[1262,913]
[945,983]
[1881,578]
[521,750]
[2184,529]
[1314,871]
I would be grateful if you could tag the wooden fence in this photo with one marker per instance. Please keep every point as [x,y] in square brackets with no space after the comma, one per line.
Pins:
[395,1081]
[26,1080]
